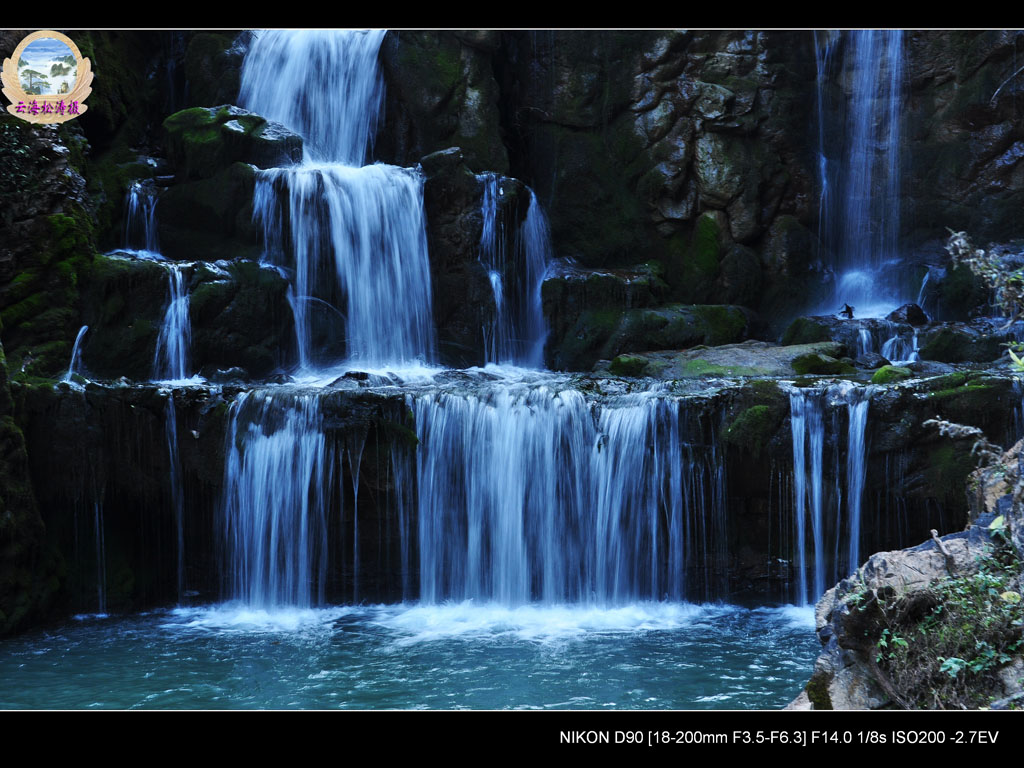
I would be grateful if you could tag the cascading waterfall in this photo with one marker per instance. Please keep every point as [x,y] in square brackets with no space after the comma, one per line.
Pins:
[356,241]
[808,430]
[857,399]
[898,349]
[101,557]
[839,518]
[354,235]
[278,476]
[170,363]
[517,332]
[76,354]
[534,494]
[177,490]
[325,84]
[859,165]
[140,233]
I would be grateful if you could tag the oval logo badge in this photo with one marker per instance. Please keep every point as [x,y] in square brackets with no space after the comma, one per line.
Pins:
[46,79]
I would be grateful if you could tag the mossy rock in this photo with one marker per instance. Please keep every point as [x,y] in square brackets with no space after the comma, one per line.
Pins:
[628,365]
[888,374]
[821,365]
[40,318]
[243,321]
[123,301]
[806,330]
[754,428]
[950,345]
[210,218]
[202,141]
[213,67]
[695,261]
[722,324]
[442,92]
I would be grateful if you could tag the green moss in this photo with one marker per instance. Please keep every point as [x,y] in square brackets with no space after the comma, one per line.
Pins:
[804,330]
[628,365]
[961,291]
[888,374]
[396,431]
[817,691]
[698,368]
[765,390]
[821,365]
[724,324]
[952,346]
[754,428]
[212,74]
[950,381]
[696,262]
[949,466]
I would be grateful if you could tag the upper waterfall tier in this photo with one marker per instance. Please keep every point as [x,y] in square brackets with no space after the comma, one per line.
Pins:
[325,84]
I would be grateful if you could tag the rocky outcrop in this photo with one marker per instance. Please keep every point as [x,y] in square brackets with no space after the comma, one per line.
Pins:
[29,572]
[213,66]
[203,141]
[882,629]
[964,139]
[751,358]
[239,316]
[442,92]
[48,241]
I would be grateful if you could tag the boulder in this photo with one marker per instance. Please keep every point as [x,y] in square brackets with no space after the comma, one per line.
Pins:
[202,141]
[749,358]
[910,314]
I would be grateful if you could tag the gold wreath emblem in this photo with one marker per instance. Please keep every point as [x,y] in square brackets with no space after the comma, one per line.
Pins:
[50,107]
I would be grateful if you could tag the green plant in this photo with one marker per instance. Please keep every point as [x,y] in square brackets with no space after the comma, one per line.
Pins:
[1006,284]
[1015,349]
[942,647]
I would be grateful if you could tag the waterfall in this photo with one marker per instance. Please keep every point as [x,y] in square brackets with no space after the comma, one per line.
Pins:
[353,236]
[101,557]
[859,165]
[170,363]
[140,232]
[357,243]
[517,332]
[810,505]
[177,489]
[898,349]
[324,84]
[76,353]
[277,481]
[534,494]
[857,399]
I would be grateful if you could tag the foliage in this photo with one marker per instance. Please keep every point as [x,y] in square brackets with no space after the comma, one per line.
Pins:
[1015,349]
[1006,284]
[943,647]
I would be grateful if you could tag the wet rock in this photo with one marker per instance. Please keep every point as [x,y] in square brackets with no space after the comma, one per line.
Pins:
[233,375]
[870,361]
[750,358]
[887,374]
[979,341]
[210,218]
[463,299]
[441,92]
[605,333]
[202,141]
[911,314]
[213,66]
